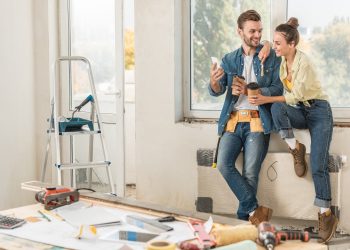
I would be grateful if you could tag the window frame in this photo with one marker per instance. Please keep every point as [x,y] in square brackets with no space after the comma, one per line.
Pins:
[278,14]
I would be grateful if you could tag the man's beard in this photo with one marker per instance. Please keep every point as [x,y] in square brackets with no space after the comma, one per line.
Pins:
[249,42]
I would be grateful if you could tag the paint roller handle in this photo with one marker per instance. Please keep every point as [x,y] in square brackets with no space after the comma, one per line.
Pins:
[83,103]
[90,98]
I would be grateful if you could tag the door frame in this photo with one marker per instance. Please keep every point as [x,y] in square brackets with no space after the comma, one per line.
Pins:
[117,119]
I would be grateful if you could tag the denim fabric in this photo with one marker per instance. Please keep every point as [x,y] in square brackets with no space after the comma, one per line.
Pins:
[318,119]
[270,84]
[244,185]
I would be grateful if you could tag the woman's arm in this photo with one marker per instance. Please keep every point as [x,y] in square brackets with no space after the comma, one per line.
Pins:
[261,99]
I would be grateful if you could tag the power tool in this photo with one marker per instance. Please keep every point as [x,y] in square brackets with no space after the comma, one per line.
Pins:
[284,235]
[266,235]
[53,197]
[270,237]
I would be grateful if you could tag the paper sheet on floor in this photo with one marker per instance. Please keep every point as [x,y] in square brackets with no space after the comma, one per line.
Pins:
[62,234]
[88,215]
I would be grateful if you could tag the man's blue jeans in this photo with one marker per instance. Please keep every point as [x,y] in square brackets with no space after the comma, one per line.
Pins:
[318,119]
[244,185]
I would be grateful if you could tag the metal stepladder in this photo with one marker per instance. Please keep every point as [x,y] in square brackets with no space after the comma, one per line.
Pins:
[74,127]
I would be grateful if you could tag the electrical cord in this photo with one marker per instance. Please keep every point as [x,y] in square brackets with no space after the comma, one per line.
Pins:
[88,189]
[274,170]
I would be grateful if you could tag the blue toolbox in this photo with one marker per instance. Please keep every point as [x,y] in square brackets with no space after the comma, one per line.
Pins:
[74,124]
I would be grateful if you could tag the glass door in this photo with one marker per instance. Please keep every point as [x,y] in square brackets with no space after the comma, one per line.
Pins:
[94,29]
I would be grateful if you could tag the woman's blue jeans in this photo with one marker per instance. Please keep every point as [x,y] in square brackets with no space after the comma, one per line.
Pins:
[244,185]
[318,119]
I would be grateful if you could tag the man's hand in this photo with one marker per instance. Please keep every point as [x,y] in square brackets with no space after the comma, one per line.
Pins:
[239,86]
[264,52]
[215,75]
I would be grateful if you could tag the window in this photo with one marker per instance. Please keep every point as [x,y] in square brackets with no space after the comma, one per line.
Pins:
[325,37]
[214,33]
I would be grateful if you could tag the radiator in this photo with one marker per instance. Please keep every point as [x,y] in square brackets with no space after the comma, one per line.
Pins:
[279,188]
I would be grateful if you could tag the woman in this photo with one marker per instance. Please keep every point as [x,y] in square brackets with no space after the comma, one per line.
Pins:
[303,105]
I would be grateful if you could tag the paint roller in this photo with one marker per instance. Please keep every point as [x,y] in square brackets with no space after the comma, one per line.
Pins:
[225,235]
[88,99]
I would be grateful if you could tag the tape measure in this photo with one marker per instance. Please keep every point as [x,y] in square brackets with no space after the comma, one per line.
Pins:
[161,245]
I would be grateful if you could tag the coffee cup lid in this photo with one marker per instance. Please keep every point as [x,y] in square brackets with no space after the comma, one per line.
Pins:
[253,85]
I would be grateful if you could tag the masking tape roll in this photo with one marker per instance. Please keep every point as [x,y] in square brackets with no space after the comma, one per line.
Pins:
[161,245]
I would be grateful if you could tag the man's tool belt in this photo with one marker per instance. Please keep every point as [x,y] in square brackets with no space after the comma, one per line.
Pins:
[251,116]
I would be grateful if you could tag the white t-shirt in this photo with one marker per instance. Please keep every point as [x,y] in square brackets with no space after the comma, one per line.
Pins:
[249,75]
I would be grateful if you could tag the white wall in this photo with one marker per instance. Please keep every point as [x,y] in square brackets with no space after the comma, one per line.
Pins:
[161,155]
[17,101]
[45,48]
[24,97]
[166,150]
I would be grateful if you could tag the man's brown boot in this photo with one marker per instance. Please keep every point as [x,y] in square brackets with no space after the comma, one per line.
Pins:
[327,224]
[300,165]
[261,214]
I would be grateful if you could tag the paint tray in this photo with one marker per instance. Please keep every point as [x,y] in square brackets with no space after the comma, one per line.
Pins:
[74,124]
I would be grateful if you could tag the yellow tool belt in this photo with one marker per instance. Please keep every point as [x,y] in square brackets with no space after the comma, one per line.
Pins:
[251,116]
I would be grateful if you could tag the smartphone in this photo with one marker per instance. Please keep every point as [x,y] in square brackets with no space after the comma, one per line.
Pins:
[215,60]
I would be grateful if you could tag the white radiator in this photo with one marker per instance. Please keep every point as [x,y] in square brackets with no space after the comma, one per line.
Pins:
[279,188]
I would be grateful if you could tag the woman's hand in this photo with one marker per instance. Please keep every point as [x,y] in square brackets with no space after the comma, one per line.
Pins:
[264,52]
[258,99]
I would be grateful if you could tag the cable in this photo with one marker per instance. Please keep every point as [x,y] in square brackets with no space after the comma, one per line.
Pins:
[268,175]
[89,189]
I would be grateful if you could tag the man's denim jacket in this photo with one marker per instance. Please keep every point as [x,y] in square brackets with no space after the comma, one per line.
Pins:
[270,84]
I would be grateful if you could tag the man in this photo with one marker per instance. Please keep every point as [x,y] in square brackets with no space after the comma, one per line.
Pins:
[241,124]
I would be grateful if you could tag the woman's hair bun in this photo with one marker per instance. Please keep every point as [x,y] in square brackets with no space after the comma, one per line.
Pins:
[293,22]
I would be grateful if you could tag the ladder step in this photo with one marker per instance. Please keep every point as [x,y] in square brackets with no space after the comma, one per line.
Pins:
[83,165]
[80,132]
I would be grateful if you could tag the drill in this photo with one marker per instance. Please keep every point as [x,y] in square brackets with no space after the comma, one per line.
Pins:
[266,235]
[270,237]
[292,235]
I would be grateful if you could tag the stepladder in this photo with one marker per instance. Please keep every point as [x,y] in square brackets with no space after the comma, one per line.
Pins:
[72,127]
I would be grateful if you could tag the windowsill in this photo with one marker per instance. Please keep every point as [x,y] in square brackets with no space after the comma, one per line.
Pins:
[339,124]
[342,124]
[199,120]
